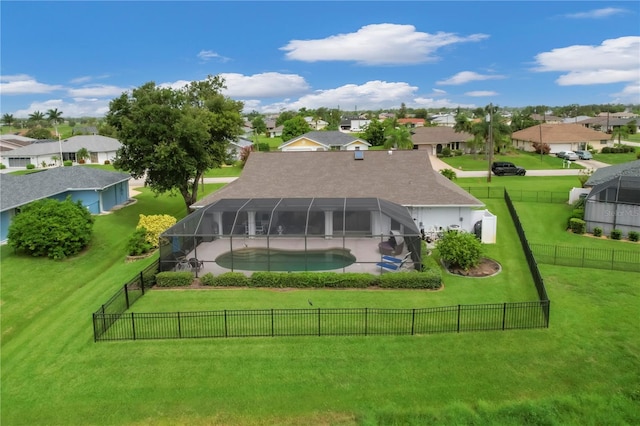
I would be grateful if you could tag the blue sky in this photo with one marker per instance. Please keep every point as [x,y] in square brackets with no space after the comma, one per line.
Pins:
[77,56]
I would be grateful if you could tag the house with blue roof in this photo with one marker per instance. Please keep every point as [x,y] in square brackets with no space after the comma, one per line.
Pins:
[98,190]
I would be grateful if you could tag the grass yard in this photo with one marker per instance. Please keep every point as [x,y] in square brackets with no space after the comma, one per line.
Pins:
[616,158]
[523,183]
[529,161]
[582,370]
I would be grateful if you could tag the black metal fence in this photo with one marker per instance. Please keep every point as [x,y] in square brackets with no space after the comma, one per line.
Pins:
[587,257]
[122,300]
[528,253]
[519,194]
[324,322]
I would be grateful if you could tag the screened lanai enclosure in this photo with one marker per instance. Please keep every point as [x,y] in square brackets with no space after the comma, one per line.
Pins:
[292,234]
[614,204]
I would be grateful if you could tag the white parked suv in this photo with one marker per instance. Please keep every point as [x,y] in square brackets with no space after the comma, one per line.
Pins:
[569,155]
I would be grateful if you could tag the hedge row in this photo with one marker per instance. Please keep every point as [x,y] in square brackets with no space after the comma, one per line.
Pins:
[174,279]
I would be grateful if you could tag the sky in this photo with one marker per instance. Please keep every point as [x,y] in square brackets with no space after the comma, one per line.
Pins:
[77,56]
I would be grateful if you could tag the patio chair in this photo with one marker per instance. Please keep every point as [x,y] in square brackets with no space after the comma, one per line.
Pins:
[391,267]
[391,259]
[195,264]
[393,246]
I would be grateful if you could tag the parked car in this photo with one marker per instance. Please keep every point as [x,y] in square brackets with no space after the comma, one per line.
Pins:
[560,154]
[570,155]
[584,155]
[501,168]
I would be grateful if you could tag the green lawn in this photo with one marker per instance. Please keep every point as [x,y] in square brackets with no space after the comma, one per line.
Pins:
[529,161]
[523,183]
[582,370]
[615,158]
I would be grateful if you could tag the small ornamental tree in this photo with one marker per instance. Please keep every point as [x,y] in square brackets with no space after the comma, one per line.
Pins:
[460,249]
[52,228]
[155,225]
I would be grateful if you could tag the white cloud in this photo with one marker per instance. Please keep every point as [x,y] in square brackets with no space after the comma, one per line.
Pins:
[87,78]
[630,94]
[596,13]
[481,93]
[468,76]
[422,102]
[376,44]
[78,108]
[22,84]
[439,92]
[265,85]
[97,90]
[207,55]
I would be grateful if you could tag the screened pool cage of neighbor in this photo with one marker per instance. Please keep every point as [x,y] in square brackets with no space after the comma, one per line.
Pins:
[292,234]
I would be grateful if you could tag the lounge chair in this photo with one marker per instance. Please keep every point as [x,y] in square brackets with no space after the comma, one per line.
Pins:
[390,266]
[391,259]
[393,246]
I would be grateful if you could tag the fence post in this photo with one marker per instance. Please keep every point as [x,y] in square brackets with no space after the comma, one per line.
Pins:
[613,255]
[413,320]
[226,333]
[583,252]
[319,322]
[142,282]
[555,254]
[104,320]
[179,327]
[458,330]
[366,321]
[133,326]
[126,295]
[272,331]
[95,334]
[504,314]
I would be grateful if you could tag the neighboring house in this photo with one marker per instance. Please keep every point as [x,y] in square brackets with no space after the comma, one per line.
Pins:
[433,139]
[86,130]
[316,124]
[606,124]
[354,124]
[447,120]
[101,149]
[624,114]
[272,130]
[614,200]
[98,190]
[547,118]
[560,137]
[235,147]
[325,141]
[384,115]
[404,177]
[411,122]
[10,142]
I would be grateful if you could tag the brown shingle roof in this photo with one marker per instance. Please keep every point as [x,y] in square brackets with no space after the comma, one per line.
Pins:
[440,134]
[559,133]
[404,177]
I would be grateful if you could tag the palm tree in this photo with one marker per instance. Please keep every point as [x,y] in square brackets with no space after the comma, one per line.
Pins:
[36,117]
[55,116]
[399,138]
[8,120]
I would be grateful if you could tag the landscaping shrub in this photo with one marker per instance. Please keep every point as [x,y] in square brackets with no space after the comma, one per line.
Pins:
[2,166]
[263,146]
[597,231]
[67,163]
[460,249]
[578,226]
[155,225]
[457,152]
[616,234]
[618,149]
[52,228]
[31,166]
[228,279]
[449,174]
[541,148]
[107,162]
[138,243]
[575,214]
[446,151]
[634,236]
[430,279]
[174,279]
[207,279]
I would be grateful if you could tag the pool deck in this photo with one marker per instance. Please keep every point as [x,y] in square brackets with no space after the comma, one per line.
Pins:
[364,249]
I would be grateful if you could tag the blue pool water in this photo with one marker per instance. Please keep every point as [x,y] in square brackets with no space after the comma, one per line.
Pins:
[262,259]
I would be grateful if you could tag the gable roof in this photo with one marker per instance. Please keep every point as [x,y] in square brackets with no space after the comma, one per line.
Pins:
[18,190]
[559,133]
[439,134]
[326,138]
[93,143]
[605,174]
[404,177]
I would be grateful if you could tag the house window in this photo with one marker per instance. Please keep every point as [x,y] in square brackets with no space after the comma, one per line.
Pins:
[603,142]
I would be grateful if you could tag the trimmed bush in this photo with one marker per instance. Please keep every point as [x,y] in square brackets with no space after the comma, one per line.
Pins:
[155,225]
[138,243]
[263,146]
[616,234]
[31,166]
[67,163]
[207,279]
[446,151]
[460,249]
[174,279]
[575,214]
[431,279]
[52,228]
[634,236]
[2,166]
[107,162]
[228,279]
[578,226]
[597,232]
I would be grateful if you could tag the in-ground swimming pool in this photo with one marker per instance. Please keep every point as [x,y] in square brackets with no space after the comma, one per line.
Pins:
[263,259]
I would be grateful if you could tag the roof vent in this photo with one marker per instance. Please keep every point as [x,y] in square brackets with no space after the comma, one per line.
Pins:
[358,155]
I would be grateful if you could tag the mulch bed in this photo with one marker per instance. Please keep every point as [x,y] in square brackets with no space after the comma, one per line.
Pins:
[486,268]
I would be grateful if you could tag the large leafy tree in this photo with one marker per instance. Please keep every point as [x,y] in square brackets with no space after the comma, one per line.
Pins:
[294,127]
[172,136]
[522,120]
[54,116]
[374,132]
[259,126]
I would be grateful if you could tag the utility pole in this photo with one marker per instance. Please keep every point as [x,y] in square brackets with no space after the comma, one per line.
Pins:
[490,148]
